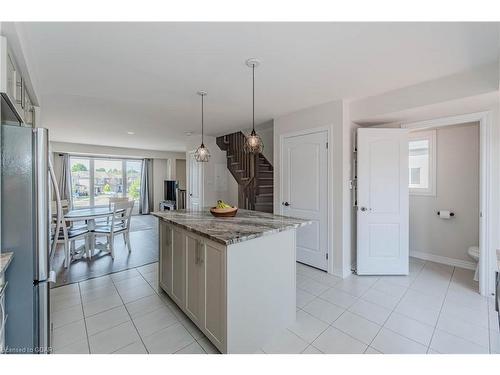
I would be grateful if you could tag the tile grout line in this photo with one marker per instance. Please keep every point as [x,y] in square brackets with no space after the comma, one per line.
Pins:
[394,309]
[168,307]
[330,325]
[194,338]
[440,310]
[128,312]
[84,320]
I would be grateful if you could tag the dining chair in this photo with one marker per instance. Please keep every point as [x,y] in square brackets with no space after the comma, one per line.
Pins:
[75,225]
[119,224]
[111,202]
[68,236]
[114,200]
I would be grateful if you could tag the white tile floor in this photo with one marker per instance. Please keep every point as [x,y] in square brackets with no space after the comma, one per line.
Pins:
[435,309]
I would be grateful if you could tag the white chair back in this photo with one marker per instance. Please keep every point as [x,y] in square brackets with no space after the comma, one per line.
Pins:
[122,213]
[114,200]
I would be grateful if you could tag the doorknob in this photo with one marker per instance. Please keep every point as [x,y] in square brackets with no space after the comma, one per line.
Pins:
[285,204]
[363,209]
[190,194]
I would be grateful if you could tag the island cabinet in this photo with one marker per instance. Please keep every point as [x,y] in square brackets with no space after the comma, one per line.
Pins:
[233,277]
[192,272]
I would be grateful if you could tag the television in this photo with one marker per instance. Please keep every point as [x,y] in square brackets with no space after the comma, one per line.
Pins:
[170,190]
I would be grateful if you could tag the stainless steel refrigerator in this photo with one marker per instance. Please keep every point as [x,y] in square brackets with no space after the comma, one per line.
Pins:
[25,230]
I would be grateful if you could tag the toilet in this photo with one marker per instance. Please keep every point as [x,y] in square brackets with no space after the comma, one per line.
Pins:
[473,252]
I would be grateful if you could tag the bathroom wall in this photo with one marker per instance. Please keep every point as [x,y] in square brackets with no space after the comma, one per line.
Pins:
[457,189]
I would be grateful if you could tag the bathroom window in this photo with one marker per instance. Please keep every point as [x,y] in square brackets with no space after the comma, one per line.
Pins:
[422,163]
[415,176]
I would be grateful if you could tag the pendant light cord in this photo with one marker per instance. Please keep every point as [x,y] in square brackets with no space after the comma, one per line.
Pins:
[253,97]
[202,119]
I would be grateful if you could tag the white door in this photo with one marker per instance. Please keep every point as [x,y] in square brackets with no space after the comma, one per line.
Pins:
[382,216]
[195,188]
[305,190]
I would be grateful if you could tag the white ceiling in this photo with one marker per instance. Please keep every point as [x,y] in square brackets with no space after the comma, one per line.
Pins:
[97,81]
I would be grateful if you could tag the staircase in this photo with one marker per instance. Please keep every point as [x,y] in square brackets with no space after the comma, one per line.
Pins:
[254,173]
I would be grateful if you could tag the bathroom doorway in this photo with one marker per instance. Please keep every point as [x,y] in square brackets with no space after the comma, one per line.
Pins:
[449,182]
[444,195]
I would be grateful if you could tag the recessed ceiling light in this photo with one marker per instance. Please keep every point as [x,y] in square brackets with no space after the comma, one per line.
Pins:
[130,133]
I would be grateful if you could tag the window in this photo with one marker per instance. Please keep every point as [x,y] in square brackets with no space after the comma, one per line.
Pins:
[422,163]
[415,176]
[108,180]
[80,181]
[134,170]
[94,180]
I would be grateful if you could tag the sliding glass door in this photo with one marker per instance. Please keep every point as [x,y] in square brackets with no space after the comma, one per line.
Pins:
[108,180]
[133,172]
[94,180]
[80,182]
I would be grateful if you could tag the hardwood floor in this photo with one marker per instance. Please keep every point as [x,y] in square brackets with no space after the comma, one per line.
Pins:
[144,240]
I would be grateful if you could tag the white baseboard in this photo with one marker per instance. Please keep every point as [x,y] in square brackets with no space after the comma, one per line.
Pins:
[443,260]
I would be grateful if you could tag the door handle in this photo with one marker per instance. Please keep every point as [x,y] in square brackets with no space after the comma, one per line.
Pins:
[52,277]
[285,204]
[363,209]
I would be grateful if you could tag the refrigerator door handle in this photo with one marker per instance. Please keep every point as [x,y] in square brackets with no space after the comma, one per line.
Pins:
[52,277]
[41,147]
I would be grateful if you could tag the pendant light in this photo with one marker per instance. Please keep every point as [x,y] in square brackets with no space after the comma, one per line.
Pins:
[202,154]
[253,143]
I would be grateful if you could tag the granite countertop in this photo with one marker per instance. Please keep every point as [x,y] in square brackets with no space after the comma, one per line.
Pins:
[5,259]
[246,225]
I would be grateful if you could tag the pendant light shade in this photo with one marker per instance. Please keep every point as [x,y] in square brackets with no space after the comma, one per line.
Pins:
[253,142]
[202,154]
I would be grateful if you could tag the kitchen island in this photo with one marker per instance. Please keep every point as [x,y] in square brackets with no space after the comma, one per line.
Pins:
[233,277]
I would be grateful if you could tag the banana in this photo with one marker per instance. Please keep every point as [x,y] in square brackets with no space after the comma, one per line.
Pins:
[222,204]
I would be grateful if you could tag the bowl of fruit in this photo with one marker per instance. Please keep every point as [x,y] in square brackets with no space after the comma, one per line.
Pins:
[223,210]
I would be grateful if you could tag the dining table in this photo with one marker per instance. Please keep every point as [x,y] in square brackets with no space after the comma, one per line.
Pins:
[89,216]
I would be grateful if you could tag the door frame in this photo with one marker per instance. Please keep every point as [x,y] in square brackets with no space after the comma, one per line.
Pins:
[487,180]
[329,188]
[190,154]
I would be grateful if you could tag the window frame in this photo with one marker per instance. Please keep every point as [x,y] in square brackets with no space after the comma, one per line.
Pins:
[430,136]
[91,160]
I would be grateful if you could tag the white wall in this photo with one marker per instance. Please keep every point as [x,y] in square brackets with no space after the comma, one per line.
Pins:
[218,183]
[389,106]
[85,149]
[457,189]
[163,161]
[335,117]
[180,172]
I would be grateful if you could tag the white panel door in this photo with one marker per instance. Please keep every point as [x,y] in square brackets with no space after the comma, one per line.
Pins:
[382,216]
[195,187]
[305,190]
